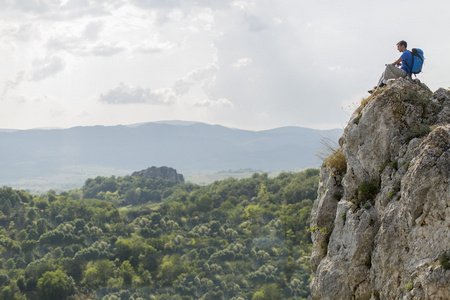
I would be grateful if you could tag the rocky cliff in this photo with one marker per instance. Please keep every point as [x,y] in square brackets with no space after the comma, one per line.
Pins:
[381,223]
[162,172]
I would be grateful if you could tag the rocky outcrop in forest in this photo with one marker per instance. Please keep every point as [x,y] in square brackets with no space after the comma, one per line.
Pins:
[381,222]
[162,172]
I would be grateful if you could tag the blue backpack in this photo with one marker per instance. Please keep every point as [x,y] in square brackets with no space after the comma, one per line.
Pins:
[417,61]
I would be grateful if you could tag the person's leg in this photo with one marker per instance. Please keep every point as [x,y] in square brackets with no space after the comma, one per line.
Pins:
[392,72]
[382,80]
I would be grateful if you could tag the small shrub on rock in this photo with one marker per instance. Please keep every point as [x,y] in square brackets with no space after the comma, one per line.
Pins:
[416,98]
[444,260]
[367,192]
[417,131]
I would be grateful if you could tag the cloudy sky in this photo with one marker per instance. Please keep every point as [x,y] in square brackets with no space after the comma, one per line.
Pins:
[250,64]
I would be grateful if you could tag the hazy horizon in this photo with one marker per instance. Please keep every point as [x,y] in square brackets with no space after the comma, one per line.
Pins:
[171,122]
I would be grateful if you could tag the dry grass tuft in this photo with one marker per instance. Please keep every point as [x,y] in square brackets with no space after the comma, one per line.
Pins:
[337,162]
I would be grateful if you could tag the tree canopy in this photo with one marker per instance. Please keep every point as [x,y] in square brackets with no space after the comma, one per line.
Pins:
[142,238]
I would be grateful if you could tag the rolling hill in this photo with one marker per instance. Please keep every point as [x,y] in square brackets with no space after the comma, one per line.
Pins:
[57,156]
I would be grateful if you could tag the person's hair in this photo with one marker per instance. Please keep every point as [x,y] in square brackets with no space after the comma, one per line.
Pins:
[403,43]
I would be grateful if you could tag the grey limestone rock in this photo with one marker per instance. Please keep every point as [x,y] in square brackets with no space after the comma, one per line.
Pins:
[383,237]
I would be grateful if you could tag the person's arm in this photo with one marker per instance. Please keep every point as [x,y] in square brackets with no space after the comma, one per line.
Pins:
[397,62]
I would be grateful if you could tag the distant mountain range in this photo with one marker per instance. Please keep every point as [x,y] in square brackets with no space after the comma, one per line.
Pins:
[51,155]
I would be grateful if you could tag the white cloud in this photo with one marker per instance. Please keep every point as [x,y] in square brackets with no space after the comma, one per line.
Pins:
[242,62]
[243,4]
[201,76]
[277,20]
[222,102]
[124,94]
[154,46]
[340,69]
[79,47]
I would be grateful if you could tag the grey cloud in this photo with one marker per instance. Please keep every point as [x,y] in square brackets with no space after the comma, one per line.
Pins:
[125,94]
[42,69]
[205,77]
[83,114]
[168,4]
[164,7]
[11,84]
[148,50]
[37,6]
[182,87]
[78,46]
[72,9]
[24,32]
[254,23]
[47,67]
[214,3]
[93,29]
[63,43]
[157,3]
[105,49]
[57,112]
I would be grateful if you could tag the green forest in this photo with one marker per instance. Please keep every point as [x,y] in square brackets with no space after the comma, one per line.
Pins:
[141,238]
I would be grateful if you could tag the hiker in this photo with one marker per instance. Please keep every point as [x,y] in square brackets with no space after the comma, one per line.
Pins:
[392,71]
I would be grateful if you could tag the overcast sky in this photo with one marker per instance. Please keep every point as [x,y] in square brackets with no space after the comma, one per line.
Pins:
[250,64]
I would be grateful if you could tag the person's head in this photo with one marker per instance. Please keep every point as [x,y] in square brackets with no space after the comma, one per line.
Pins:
[402,45]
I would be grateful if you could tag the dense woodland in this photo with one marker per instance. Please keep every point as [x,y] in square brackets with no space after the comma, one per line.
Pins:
[140,238]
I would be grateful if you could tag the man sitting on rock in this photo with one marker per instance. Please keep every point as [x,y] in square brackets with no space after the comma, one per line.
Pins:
[391,71]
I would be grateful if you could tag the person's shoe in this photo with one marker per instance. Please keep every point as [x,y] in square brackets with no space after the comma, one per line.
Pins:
[375,88]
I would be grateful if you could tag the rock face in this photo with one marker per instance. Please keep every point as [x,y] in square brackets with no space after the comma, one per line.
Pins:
[381,228]
[162,172]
